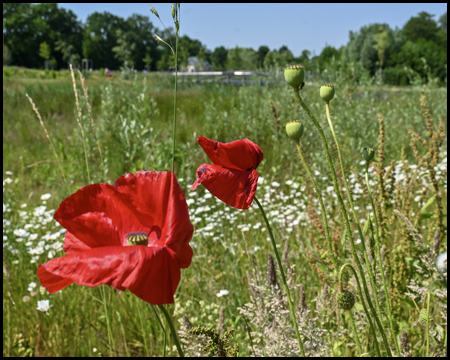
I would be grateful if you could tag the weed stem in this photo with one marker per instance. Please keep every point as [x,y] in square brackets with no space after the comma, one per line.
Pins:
[355,218]
[380,264]
[291,306]
[322,206]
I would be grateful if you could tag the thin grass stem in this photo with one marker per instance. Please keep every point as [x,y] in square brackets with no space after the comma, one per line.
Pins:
[322,206]
[372,326]
[380,264]
[79,122]
[49,140]
[91,120]
[355,218]
[291,306]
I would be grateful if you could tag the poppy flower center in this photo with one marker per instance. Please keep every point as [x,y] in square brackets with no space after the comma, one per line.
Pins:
[137,238]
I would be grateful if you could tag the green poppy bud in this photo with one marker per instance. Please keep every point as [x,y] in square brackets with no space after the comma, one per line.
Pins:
[345,300]
[327,92]
[294,75]
[368,154]
[295,129]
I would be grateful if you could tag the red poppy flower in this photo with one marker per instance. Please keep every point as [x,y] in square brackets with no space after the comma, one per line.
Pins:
[146,209]
[232,178]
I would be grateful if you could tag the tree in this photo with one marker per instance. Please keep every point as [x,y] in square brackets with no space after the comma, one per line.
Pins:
[147,60]
[67,51]
[241,59]
[443,21]
[219,58]
[421,26]
[100,36]
[328,54]
[261,54]
[26,26]
[124,49]
[44,52]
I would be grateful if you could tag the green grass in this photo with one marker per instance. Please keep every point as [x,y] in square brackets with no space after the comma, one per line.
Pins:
[133,119]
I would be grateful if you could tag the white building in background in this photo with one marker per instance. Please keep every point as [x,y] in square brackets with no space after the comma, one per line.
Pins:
[197,65]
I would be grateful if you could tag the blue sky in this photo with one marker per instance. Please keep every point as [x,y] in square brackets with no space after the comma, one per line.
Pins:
[298,26]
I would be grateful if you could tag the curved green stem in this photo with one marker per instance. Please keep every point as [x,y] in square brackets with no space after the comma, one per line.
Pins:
[372,327]
[172,329]
[347,223]
[355,331]
[355,218]
[322,206]
[380,264]
[291,306]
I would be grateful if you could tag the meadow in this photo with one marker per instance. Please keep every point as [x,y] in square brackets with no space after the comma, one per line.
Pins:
[230,283]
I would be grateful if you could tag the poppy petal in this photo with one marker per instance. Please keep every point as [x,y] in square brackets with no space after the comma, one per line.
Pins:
[96,208]
[92,230]
[160,204]
[240,154]
[234,187]
[152,273]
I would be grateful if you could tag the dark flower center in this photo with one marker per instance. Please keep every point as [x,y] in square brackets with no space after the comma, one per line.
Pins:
[137,238]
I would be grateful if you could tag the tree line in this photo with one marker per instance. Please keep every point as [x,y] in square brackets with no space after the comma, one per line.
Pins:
[45,35]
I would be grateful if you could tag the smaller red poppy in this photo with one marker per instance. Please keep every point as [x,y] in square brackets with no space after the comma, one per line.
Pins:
[233,177]
[148,210]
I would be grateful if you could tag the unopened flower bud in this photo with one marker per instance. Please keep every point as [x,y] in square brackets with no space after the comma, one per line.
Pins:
[295,129]
[345,299]
[153,10]
[294,75]
[369,154]
[327,92]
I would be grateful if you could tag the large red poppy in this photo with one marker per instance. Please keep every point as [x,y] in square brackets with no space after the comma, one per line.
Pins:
[148,210]
[232,178]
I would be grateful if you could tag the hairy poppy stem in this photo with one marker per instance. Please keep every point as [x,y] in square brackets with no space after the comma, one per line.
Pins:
[291,306]
[175,101]
[355,331]
[161,326]
[346,219]
[380,264]
[322,206]
[355,218]
[372,326]
[172,329]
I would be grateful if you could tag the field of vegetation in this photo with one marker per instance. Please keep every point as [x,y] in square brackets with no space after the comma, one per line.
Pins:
[125,125]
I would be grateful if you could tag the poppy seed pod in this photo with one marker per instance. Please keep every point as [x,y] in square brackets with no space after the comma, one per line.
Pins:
[294,75]
[369,154]
[295,129]
[327,92]
[345,300]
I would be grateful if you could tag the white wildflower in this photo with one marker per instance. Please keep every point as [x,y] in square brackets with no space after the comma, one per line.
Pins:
[44,306]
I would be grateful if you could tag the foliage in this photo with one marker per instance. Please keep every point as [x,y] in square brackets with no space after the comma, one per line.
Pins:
[133,131]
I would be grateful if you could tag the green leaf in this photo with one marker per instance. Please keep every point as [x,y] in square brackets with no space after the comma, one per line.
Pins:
[426,216]
[430,201]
